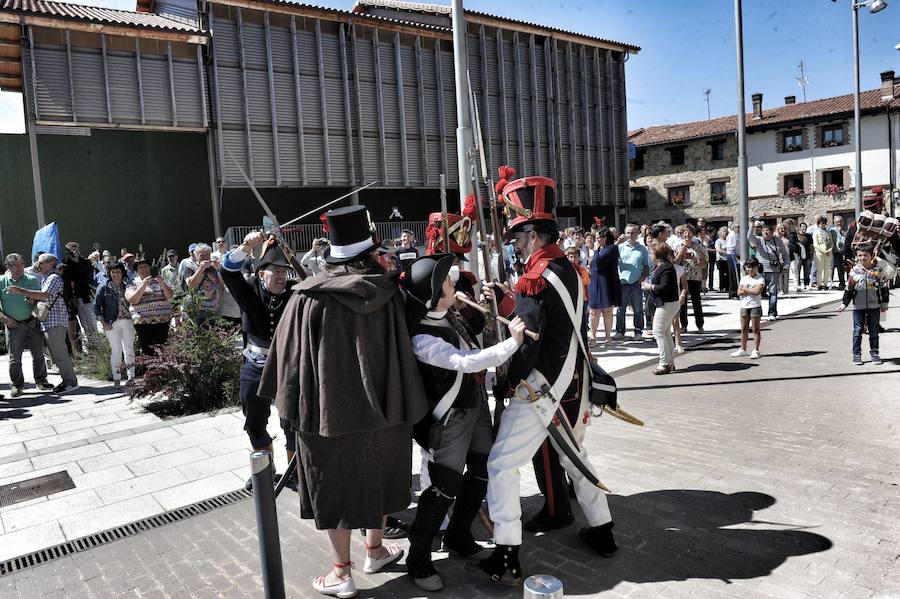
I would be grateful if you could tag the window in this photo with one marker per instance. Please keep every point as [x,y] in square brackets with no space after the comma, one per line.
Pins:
[717,148]
[833,178]
[638,198]
[717,193]
[832,135]
[793,182]
[792,141]
[638,163]
[676,155]
[680,196]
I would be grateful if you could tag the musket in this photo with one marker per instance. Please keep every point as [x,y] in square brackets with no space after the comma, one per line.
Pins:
[276,228]
[465,299]
[492,193]
[329,203]
[444,217]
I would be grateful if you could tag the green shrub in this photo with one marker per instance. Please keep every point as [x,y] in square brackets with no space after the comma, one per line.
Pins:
[198,368]
[95,362]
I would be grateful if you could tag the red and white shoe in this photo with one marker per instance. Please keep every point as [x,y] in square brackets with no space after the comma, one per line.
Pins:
[394,553]
[343,588]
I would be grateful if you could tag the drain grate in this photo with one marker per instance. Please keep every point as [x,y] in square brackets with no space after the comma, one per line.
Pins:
[33,488]
[121,532]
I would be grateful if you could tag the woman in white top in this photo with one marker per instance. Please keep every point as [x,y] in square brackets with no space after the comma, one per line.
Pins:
[722,258]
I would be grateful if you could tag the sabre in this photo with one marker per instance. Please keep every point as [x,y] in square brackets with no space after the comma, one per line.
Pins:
[314,210]
[276,228]
[465,299]
[444,216]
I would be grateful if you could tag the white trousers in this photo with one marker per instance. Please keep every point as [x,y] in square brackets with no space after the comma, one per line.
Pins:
[521,434]
[121,340]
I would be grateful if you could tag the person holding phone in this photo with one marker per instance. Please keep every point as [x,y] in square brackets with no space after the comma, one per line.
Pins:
[151,307]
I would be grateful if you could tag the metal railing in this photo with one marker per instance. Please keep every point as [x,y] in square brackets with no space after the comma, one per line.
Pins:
[301,237]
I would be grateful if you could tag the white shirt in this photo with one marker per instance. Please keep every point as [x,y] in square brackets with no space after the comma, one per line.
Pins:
[434,351]
[752,301]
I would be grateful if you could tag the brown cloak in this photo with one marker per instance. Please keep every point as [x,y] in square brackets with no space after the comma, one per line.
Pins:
[342,370]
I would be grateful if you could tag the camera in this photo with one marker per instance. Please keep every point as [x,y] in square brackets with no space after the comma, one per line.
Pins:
[154,271]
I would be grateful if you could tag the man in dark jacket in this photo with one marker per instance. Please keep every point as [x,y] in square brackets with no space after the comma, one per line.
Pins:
[262,300]
[78,277]
[555,362]
[341,368]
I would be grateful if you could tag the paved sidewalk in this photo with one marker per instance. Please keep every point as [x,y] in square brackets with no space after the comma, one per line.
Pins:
[766,478]
[128,464]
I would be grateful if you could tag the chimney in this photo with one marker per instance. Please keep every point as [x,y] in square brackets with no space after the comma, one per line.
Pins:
[887,85]
[790,100]
[757,106]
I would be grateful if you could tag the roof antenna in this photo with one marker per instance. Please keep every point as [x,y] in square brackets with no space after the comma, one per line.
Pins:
[802,80]
[706,93]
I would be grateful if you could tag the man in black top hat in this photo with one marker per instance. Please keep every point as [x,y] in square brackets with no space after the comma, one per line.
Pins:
[262,300]
[549,298]
[458,433]
[341,368]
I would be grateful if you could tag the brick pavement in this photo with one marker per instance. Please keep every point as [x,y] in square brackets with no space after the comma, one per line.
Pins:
[769,478]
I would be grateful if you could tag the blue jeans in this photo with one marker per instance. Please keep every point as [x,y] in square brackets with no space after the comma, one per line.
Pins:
[256,410]
[772,289]
[868,317]
[631,296]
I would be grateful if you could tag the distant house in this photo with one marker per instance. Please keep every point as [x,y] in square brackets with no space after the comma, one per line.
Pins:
[800,160]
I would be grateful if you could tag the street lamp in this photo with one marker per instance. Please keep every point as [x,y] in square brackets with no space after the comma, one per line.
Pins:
[874,6]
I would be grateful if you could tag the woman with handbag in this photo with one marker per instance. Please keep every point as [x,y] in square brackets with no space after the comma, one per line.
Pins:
[663,288]
[50,309]
[112,309]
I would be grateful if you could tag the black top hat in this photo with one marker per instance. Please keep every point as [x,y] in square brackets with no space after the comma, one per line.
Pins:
[424,278]
[273,256]
[351,234]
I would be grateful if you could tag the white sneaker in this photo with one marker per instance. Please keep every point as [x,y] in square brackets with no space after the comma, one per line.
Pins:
[679,349]
[739,353]
[754,355]
[771,317]
[647,334]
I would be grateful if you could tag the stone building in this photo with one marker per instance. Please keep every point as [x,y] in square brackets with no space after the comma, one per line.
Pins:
[800,160]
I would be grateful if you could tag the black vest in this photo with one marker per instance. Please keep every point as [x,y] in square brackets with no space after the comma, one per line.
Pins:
[438,381]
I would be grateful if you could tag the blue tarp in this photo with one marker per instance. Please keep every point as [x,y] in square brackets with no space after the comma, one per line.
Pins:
[46,241]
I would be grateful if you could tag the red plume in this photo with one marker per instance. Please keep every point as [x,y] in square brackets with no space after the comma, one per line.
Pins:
[599,220]
[324,221]
[506,173]
[432,237]
[469,209]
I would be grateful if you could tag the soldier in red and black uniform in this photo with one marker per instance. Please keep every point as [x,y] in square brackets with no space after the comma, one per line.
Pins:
[556,362]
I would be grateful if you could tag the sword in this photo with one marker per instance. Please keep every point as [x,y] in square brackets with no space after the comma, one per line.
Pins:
[276,228]
[564,439]
[326,204]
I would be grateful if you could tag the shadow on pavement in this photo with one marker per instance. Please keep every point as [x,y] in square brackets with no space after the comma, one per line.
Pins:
[869,371]
[796,354]
[663,536]
[17,408]
[717,367]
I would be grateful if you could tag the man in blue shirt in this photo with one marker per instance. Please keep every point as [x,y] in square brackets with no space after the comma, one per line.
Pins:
[634,265]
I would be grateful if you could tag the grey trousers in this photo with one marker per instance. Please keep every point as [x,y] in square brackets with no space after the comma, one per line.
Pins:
[466,431]
[26,334]
[56,343]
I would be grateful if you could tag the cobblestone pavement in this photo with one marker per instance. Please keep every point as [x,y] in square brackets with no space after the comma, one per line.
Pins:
[769,478]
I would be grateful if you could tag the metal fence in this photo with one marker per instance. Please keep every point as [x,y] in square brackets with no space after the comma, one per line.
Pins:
[300,237]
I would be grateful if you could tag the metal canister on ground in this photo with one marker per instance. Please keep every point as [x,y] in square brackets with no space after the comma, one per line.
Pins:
[542,586]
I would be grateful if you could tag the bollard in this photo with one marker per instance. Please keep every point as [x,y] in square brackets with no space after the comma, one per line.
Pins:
[542,586]
[261,470]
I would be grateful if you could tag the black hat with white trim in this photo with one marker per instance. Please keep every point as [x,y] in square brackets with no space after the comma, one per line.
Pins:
[351,234]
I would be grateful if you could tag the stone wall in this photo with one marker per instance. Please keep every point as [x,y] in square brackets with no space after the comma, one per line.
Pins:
[803,209]
[697,172]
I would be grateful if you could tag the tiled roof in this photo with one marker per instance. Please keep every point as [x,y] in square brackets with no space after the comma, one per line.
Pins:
[444,9]
[815,109]
[95,14]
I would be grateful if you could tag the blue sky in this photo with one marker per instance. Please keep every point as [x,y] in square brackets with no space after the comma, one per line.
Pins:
[688,46]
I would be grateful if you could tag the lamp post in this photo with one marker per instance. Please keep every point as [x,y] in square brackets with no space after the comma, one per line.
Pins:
[874,6]
[743,200]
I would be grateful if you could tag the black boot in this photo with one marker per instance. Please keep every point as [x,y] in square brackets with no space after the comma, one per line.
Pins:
[459,537]
[600,539]
[543,521]
[503,565]
[433,505]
